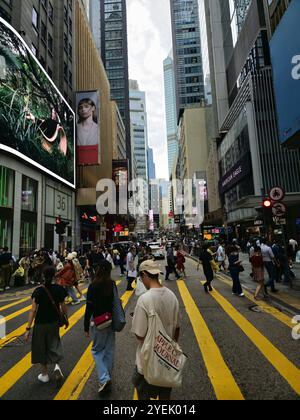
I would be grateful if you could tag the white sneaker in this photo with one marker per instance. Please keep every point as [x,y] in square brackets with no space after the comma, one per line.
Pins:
[43,378]
[242,295]
[7,288]
[83,299]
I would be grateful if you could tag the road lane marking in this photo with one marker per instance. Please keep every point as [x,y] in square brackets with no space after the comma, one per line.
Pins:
[11,305]
[21,312]
[11,337]
[285,368]
[219,374]
[10,378]
[268,309]
[76,381]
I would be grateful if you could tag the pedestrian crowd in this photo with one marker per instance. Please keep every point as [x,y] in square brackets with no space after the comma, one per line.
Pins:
[155,322]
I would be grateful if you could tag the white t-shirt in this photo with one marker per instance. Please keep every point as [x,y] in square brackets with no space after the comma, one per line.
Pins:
[167,308]
[221,254]
[130,262]
[87,136]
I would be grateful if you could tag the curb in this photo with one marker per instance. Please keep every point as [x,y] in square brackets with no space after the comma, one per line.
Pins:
[283,305]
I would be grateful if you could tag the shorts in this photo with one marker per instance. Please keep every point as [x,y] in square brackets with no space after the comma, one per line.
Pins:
[46,345]
[146,391]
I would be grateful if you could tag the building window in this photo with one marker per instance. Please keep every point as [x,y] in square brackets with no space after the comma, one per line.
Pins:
[35,18]
[29,194]
[6,187]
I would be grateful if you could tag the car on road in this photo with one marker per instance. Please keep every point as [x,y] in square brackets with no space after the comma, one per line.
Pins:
[157,250]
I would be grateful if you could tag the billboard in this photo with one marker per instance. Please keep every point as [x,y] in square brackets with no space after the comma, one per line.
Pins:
[285,55]
[36,123]
[88,130]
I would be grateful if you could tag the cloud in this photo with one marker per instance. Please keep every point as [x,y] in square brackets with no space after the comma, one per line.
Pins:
[149,42]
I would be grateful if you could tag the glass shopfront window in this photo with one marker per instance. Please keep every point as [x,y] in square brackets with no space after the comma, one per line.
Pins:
[5,230]
[28,236]
[29,194]
[7,186]
[7,181]
[28,239]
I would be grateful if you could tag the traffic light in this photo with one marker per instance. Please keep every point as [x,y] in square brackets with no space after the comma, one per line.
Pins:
[60,226]
[267,204]
[267,212]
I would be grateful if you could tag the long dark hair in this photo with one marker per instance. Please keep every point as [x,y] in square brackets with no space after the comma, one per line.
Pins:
[103,276]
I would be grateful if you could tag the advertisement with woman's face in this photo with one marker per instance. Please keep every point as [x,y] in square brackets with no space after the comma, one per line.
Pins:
[88,132]
[36,122]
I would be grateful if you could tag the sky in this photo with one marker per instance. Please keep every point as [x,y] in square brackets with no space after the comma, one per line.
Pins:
[149,43]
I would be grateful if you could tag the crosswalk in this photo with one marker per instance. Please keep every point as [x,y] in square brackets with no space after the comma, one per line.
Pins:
[234,354]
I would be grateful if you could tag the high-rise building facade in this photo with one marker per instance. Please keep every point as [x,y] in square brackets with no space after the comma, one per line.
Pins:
[108,20]
[245,112]
[187,53]
[31,198]
[138,115]
[171,110]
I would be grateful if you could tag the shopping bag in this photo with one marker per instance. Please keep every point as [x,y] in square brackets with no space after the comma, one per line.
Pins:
[140,288]
[162,359]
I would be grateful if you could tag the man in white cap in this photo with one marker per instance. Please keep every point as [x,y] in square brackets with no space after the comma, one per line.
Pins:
[167,308]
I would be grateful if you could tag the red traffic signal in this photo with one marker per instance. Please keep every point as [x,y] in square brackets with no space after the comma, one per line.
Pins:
[267,204]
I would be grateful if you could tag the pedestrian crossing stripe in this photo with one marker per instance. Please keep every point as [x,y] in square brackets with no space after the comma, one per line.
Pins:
[77,379]
[221,378]
[9,379]
[283,366]
[15,303]
[18,332]
[268,309]
[20,312]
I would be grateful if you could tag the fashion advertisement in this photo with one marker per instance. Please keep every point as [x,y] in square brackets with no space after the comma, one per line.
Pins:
[36,123]
[88,132]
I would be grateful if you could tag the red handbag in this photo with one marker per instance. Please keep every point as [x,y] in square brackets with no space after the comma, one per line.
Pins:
[103,321]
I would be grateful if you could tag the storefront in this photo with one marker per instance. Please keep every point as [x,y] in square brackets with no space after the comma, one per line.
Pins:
[7,181]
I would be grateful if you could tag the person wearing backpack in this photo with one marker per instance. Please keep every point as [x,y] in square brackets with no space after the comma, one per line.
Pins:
[48,308]
[166,306]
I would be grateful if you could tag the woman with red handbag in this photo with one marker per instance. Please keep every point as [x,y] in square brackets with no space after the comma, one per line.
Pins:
[99,309]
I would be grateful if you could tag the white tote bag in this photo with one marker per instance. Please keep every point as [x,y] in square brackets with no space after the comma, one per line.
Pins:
[140,288]
[162,359]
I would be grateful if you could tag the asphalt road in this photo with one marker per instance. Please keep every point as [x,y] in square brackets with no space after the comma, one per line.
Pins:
[234,352]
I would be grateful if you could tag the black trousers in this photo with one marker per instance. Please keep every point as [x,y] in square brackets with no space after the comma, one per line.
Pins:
[171,269]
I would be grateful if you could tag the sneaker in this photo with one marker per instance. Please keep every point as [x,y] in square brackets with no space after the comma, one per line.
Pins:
[242,295]
[59,377]
[75,303]
[43,378]
[7,288]
[2,290]
[82,299]
[105,387]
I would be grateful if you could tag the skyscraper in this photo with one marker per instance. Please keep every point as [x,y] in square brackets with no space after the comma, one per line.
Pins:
[138,115]
[171,110]
[108,20]
[187,53]
[151,164]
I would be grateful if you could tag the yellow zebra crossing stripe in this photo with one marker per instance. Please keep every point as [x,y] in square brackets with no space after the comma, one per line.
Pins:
[219,374]
[15,303]
[268,309]
[78,378]
[10,378]
[285,368]
[18,332]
